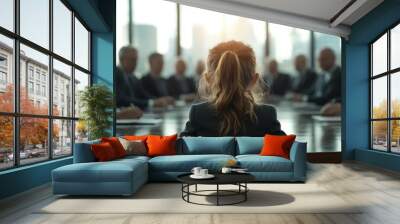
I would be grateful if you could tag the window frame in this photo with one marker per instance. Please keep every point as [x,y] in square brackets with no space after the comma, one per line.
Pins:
[16,115]
[388,74]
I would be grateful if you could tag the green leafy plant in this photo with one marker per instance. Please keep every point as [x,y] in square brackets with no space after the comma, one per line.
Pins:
[96,103]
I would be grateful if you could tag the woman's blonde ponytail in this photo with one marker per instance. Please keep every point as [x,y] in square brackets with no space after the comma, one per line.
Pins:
[230,70]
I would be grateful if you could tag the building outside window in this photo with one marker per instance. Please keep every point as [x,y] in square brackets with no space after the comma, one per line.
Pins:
[294,41]
[203,29]
[38,89]
[30,72]
[44,91]
[44,77]
[35,92]
[3,72]
[3,61]
[3,78]
[30,87]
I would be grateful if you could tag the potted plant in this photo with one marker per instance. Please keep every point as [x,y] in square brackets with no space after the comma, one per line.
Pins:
[96,104]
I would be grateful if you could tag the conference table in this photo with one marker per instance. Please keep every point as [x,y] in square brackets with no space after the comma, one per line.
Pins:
[322,134]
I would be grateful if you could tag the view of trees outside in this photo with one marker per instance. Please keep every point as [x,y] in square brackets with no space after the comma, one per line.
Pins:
[33,138]
[379,128]
[6,141]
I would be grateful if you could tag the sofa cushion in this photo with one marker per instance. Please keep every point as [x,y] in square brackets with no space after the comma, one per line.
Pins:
[161,145]
[257,163]
[135,147]
[277,145]
[112,171]
[103,152]
[206,145]
[185,163]
[249,145]
[116,145]
[135,137]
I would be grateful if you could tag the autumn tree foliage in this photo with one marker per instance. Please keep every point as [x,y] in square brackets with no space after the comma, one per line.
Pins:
[33,131]
[6,122]
[380,127]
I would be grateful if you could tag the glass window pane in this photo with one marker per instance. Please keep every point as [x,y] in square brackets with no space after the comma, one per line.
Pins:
[6,74]
[62,89]
[81,132]
[122,25]
[395,95]
[33,139]
[286,43]
[81,81]
[379,56]
[7,14]
[81,45]
[395,135]
[155,32]
[379,135]
[62,138]
[34,72]
[62,29]
[6,142]
[395,47]
[327,41]
[203,29]
[379,98]
[35,21]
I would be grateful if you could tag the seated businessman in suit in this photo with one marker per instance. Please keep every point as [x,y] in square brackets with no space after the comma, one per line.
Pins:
[152,82]
[328,84]
[278,83]
[228,87]
[129,91]
[306,77]
[180,86]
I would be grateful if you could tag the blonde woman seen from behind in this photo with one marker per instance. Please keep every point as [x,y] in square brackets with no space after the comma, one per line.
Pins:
[229,87]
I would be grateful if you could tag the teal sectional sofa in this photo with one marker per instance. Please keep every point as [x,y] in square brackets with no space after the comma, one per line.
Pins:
[125,176]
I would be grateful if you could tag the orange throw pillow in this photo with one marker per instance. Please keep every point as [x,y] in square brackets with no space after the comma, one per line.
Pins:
[103,152]
[161,145]
[277,145]
[116,145]
[135,138]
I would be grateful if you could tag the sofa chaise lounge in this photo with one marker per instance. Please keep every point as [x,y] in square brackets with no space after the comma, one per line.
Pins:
[125,176]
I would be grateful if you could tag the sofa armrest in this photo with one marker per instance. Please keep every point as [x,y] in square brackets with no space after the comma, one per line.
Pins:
[83,152]
[298,155]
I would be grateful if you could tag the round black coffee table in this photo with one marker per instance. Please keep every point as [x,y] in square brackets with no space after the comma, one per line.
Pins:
[238,179]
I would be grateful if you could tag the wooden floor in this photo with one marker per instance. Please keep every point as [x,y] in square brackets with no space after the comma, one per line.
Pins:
[378,189]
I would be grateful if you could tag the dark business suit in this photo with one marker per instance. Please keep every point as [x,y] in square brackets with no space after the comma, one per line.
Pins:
[281,84]
[156,87]
[305,82]
[204,121]
[177,87]
[130,91]
[330,90]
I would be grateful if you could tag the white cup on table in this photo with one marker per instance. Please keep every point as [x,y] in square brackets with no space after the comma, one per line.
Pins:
[197,171]
[203,172]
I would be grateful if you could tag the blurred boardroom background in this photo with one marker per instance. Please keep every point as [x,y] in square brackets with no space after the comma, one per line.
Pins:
[181,31]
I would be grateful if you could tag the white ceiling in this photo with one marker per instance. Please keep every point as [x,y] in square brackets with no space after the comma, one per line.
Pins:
[320,9]
[307,14]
